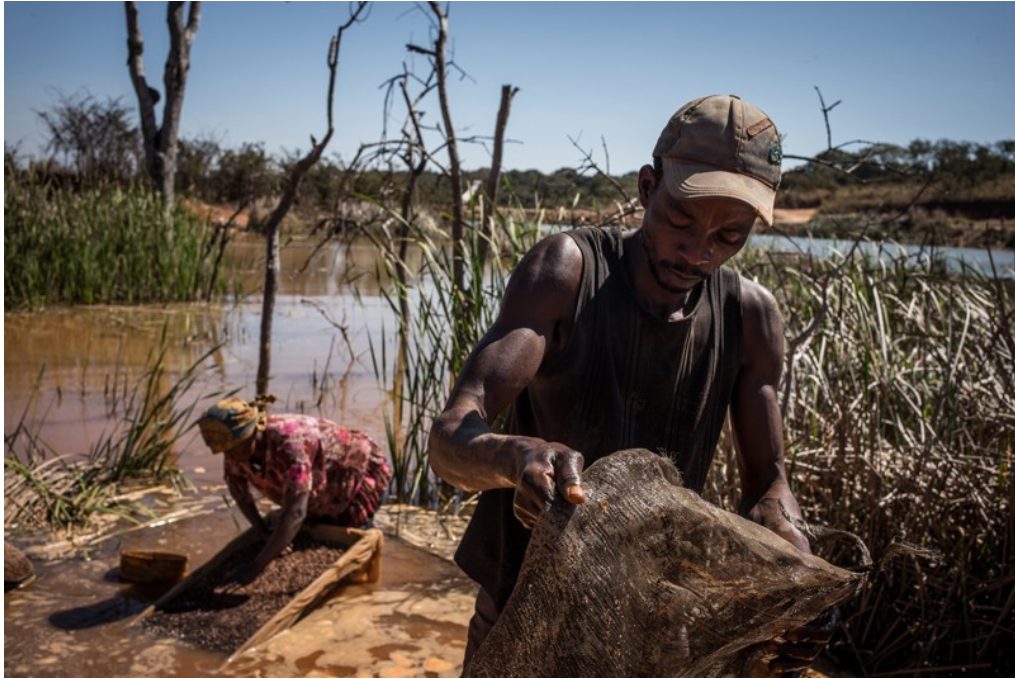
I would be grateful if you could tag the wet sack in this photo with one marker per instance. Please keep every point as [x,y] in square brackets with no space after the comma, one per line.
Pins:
[648,579]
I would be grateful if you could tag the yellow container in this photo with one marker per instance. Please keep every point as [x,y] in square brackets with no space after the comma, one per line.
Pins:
[144,565]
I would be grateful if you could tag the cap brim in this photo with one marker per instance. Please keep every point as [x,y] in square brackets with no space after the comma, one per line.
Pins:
[692,180]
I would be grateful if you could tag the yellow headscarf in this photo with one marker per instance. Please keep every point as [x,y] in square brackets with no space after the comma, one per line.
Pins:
[232,421]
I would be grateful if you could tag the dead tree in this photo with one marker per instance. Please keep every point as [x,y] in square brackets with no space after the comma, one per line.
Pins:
[160,140]
[273,262]
[507,93]
[438,53]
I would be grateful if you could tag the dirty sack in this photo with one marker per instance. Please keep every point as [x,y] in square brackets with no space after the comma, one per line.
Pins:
[648,579]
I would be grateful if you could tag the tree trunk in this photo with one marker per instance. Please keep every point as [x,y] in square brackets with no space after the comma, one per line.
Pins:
[507,93]
[160,141]
[455,167]
[273,264]
[271,270]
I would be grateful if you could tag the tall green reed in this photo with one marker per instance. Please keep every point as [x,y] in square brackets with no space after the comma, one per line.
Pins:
[107,244]
[436,326]
[45,489]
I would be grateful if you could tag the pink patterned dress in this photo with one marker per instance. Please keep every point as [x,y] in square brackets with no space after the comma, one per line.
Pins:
[342,471]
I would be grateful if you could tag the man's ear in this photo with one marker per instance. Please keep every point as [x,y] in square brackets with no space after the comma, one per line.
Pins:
[646,184]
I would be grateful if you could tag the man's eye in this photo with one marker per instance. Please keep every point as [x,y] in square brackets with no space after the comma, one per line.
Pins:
[731,237]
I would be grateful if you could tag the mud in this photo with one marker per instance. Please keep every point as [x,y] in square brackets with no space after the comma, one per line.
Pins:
[219,614]
[75,618]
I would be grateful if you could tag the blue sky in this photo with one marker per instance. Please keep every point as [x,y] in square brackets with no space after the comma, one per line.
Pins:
[611,70]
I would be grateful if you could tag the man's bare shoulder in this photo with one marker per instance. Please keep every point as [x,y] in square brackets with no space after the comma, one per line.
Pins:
[762,323]
[547,280]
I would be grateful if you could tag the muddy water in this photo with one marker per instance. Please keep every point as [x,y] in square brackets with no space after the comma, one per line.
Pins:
[412,623]
[76,618]
[63,367]
[63,370]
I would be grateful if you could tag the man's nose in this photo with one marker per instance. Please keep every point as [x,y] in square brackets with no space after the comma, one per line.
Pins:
[696,252]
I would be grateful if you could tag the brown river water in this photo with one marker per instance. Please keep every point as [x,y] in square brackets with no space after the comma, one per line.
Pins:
[60,367]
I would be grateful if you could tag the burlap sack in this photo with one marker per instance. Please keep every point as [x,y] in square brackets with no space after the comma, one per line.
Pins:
[648,579]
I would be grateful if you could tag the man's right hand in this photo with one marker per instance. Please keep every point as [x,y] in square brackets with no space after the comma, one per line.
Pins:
[545,467]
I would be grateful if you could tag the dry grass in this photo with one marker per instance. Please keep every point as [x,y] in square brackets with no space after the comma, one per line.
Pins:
[900,421]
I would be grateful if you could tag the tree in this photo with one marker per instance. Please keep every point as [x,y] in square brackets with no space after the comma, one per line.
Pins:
[299,169]
[96,139]
[160,145]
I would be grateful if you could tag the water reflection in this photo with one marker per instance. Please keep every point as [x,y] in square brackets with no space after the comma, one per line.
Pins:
[62,366]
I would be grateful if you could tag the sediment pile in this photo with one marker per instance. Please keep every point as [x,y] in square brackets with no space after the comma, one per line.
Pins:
[221,615]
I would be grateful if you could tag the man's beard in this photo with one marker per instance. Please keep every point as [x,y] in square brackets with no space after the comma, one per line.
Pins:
[649,247]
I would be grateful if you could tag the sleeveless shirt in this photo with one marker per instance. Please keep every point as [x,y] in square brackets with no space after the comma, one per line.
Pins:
[623,379]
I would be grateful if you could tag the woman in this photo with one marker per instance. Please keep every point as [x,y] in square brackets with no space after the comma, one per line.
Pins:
[312,467]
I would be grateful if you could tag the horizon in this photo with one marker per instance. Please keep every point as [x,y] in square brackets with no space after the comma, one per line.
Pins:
[258,72]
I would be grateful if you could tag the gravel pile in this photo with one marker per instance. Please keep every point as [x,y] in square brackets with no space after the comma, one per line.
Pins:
[221,615]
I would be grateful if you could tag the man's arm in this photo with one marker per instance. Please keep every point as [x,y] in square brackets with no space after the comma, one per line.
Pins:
[757,421]
[534,320]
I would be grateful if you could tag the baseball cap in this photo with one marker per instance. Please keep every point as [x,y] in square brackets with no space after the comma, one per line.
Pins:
[722,146]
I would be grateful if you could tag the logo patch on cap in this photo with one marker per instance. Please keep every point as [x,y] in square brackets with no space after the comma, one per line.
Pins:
[775,153]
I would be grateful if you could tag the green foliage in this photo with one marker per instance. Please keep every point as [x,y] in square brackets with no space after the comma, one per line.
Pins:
[43,489]
[96,139]
[105,244]
[952,162]
[437,327]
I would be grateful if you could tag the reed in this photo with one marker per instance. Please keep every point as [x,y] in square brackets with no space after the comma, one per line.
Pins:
[47,490]
[899,410]
[435,329]
[899,405]
[107,244]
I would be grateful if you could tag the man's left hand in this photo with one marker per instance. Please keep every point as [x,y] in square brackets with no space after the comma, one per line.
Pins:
[771,513]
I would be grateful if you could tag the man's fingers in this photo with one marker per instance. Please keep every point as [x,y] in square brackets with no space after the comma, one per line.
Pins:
[567,468]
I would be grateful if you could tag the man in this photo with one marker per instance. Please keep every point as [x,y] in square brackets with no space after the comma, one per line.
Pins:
[609,340]
[312,467]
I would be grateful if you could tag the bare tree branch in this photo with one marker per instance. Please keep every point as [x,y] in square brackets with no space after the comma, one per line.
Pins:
[507,93]
[296,174]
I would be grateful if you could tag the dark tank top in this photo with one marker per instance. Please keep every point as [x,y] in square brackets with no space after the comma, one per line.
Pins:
[624,379]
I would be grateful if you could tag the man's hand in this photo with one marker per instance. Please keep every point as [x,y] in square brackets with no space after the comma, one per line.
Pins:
[543,468]
[771,513]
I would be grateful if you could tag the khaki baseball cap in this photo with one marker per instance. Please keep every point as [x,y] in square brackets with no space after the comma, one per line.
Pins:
[722,146]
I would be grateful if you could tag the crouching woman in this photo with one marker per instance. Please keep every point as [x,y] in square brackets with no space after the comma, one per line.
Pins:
[313,468]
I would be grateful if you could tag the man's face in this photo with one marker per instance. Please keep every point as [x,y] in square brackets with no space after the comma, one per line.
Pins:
[686,240]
